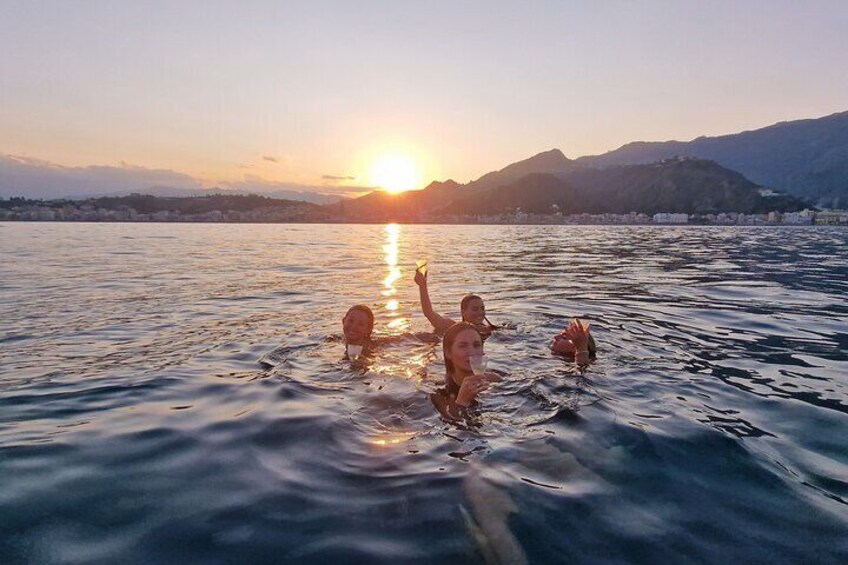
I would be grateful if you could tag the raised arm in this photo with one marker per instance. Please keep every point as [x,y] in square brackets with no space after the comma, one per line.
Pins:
[440,323]
[577,341]
[578,333]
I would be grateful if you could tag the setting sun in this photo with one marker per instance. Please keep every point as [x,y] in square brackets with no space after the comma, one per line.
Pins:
[394,173]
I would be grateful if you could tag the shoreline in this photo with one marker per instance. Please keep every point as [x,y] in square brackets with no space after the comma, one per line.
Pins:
[429,223]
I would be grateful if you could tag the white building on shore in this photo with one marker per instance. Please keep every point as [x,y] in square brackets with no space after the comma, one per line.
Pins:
[666,218]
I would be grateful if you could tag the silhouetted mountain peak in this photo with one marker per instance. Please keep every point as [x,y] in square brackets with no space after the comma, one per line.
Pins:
[450,183]
[552,161]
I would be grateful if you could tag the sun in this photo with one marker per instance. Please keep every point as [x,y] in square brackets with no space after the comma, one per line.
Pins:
[394,173]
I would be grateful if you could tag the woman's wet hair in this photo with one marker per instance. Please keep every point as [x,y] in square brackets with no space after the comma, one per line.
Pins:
[367,311]
[447,343]
[464,303]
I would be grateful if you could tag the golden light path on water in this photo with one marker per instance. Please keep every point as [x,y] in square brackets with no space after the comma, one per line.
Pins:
[398,323]
[392,438]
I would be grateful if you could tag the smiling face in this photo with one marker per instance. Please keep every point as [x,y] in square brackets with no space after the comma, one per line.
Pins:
[473,310]
[356,326]
[464,345]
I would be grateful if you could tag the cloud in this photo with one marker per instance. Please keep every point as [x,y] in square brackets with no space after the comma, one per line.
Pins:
[261,185]
[270,158]
[290,190]
[348,189]
[36,178]
[336,178]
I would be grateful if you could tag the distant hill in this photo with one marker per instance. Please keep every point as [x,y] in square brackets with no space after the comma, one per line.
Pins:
[147,204]
[691,186]
[552,162]
[805,158]
[166,191]
[381,204]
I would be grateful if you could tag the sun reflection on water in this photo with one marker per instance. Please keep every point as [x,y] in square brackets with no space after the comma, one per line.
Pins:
[391,438]
[398,323]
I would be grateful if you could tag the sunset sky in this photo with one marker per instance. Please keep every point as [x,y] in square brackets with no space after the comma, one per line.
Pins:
[319,93]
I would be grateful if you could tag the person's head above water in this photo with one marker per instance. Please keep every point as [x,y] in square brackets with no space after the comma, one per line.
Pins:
[461,342]
[473,310]
[357,324]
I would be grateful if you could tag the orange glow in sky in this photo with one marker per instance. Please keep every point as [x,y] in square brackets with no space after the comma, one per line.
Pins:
[261,106]
[395,173]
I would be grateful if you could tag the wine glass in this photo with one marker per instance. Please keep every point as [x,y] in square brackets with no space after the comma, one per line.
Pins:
[421,265]
[478,364]
[353,351]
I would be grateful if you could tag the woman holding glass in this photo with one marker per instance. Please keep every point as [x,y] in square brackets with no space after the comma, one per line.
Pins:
[465,371]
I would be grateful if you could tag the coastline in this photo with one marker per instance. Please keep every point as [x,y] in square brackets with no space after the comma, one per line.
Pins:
[426,223]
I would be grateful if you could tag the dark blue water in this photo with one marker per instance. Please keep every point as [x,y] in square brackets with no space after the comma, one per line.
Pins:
[136,424]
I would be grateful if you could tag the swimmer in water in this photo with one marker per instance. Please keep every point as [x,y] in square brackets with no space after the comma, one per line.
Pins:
[576,342]
[462,341]
[471,308]
[357,325]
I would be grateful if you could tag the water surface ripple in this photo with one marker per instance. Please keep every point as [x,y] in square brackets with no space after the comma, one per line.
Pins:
[136,424]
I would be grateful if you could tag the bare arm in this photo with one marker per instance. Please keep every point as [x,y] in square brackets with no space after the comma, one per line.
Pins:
[440,323]
[579,334]
[577,341]
[446,406]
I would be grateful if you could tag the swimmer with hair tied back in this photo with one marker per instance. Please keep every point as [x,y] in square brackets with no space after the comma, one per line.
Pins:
[471,308]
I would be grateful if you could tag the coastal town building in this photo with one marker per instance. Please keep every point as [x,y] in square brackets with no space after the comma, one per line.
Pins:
[664,218]
[69,211]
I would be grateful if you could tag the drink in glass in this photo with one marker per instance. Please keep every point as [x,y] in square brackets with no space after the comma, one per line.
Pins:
[354,351]
[478,364]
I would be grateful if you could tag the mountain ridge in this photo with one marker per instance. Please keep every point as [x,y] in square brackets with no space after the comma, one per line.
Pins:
[683,185]
[691,186]
[807,158]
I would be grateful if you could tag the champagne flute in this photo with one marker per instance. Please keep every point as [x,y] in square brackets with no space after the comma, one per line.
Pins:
[478,364]
[421,266]
[353,351]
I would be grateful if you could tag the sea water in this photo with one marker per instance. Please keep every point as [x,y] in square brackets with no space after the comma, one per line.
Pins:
[137,424]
